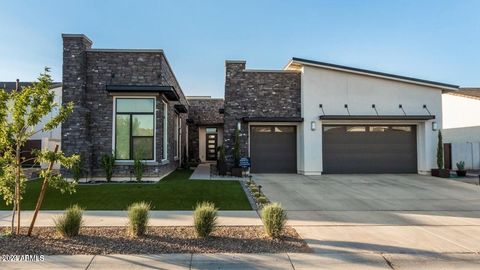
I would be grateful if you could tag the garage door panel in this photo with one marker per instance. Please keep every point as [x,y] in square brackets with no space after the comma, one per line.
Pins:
[369,149]
[273,149]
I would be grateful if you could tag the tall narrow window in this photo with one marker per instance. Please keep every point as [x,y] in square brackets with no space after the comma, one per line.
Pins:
[134,128]
[165,130]
[176,134]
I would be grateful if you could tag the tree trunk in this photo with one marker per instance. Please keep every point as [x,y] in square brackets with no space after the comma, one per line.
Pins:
[41,195]
[13,213]
[17,184]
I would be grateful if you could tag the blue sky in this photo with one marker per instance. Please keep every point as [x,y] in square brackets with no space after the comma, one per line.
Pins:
[434,40]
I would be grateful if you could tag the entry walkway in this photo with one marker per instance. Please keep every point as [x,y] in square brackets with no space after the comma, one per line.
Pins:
[203,172]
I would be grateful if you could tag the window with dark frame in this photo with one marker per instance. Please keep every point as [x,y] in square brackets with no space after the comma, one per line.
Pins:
[134,128]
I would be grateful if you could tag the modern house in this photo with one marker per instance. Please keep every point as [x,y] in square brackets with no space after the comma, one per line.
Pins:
[314,117]
[126,102]
[205,127]
[461,123]
[42,139]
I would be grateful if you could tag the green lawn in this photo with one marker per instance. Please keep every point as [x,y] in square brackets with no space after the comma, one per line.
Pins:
[174,192]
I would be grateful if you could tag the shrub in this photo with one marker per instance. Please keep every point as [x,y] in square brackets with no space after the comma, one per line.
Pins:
[254,189]
[262,200]
[107,162]
[205,218]
[138,169]
[257,194]
[70,222]
[461,166]
[77,170]
[138,216]
[274,218]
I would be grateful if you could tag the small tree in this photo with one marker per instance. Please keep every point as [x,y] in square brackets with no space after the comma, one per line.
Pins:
[21,115]
[236,149]
[440,151]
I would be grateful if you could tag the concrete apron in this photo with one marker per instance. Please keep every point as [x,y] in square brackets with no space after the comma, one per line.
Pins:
[119,218]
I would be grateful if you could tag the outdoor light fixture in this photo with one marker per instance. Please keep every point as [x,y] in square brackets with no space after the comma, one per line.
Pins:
[434,126]
[239,125]
[313,125]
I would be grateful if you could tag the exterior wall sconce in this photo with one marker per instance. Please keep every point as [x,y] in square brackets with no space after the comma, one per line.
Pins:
[313,125]
[434,126]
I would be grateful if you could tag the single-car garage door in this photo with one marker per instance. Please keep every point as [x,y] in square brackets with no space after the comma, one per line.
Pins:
[369,149]
[273,149]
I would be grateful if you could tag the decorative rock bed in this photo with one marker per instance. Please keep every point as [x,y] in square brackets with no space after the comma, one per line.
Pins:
[114,240]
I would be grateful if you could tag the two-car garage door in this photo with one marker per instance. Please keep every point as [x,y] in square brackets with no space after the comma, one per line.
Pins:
[346,149]
[369,149]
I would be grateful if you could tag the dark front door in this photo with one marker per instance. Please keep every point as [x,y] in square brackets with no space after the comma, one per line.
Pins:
[273,149]
[447,150]
[211,146]
[369,149]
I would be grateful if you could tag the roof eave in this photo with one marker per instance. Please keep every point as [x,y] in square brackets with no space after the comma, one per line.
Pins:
[443,86]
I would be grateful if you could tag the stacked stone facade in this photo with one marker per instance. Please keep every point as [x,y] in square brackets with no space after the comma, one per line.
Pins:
[203,111]
[250,93]
[88,131]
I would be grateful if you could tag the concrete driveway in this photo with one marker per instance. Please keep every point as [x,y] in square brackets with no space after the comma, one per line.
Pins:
[402,221]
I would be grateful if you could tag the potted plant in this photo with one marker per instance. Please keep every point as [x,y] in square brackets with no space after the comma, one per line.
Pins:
[461,169]
[236,169]
[221,164]
[441,171]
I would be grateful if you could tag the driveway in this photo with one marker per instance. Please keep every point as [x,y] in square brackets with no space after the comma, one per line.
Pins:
[402,220]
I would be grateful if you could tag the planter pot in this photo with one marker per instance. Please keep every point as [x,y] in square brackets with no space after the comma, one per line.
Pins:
[238,172]
[443,173]
[461,173]
[221,168]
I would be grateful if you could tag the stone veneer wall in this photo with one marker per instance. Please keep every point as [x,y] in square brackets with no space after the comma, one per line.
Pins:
[86,73]
[250,93]
[203,112]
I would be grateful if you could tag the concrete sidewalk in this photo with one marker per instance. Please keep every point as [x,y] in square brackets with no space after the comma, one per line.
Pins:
[119,218]
[357,261]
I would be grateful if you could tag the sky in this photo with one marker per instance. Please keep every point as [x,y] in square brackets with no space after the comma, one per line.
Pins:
[433,40]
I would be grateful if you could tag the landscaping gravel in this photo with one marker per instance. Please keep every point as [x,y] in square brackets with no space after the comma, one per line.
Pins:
[114,240]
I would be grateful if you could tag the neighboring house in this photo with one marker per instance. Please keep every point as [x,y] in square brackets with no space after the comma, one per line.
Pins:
[42,139]
[314,117]
[126,102]
[205,127]
[461,123]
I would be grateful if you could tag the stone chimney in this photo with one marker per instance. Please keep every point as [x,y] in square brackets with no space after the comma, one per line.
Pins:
[75,130]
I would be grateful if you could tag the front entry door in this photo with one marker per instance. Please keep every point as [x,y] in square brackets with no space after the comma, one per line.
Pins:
[211,146]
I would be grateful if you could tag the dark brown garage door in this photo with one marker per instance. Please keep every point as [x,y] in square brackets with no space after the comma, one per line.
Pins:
[369,149]
[273,149]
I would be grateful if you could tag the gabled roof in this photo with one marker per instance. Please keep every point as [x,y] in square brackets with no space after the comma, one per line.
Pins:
[468,92]
[295,62]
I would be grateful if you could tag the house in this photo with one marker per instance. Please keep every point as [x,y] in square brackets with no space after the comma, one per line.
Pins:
[314,117]
[42,139]
[205,127]
[126,102]
[461,123]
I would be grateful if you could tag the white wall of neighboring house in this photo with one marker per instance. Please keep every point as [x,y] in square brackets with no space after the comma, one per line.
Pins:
[461,124]
[333,89]
[50,138]
[460,111]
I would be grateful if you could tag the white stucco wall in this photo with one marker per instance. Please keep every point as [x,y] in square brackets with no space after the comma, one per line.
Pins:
[465,145]
[55,133]
[459,111]
[333,89]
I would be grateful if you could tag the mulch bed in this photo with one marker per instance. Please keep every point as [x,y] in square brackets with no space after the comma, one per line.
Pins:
[114,240]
